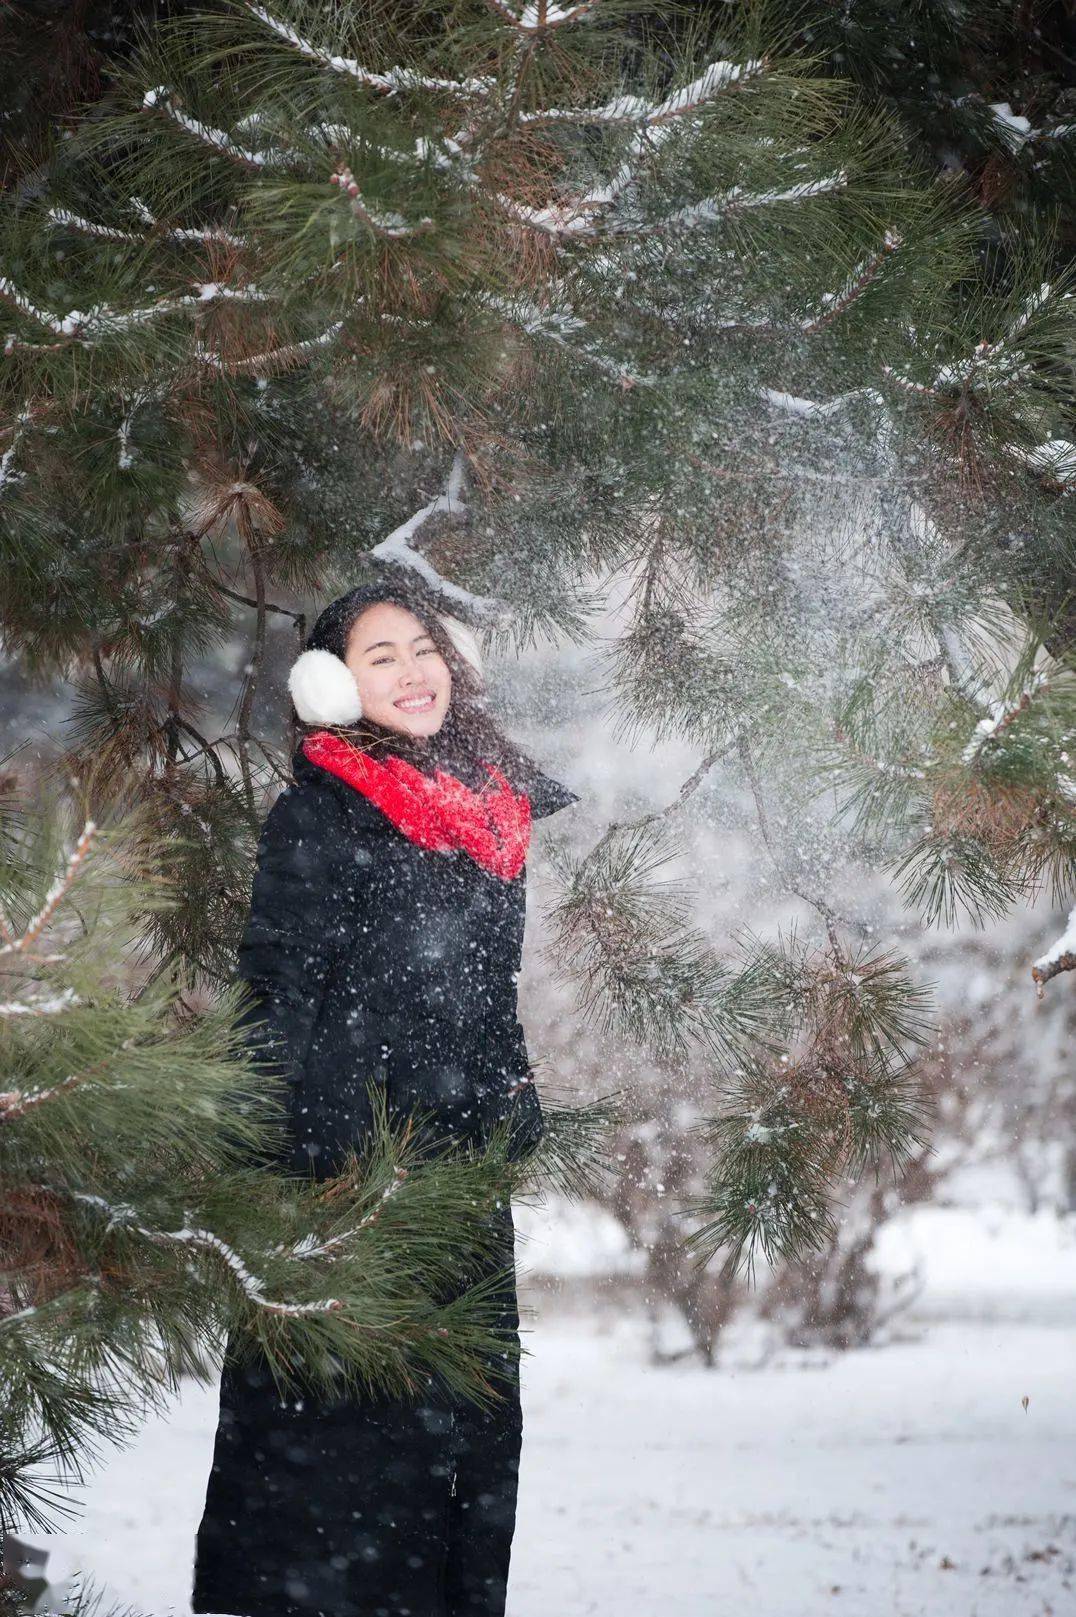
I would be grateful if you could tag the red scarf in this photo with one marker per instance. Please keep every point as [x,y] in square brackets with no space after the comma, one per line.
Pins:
[440,814]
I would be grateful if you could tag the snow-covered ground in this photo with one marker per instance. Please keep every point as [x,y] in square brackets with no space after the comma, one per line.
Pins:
[934,1476]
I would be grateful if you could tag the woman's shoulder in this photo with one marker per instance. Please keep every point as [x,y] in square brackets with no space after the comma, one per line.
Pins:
[316,806]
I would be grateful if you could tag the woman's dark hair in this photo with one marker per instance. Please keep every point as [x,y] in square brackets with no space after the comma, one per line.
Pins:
[469,733]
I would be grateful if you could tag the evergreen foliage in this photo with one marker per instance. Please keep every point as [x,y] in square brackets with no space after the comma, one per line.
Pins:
[138,1226]
[522,301]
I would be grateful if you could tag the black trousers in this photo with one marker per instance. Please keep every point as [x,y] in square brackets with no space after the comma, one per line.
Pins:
[359,1508]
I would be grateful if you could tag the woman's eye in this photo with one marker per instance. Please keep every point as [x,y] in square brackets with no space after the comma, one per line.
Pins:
[427,651]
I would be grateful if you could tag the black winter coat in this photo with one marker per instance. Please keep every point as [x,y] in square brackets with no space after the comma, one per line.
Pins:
[370,957]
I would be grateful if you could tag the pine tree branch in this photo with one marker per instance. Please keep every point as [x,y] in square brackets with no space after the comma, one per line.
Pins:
[1002,715]
[250,682]
[814,409]
[161,99]
[837,303]
[15,1103]
[73,221]
[206,748]
[392,82]
[552,326]
[578,216]
[8,474]
[397,546]
[833,305]
[637,112]
[92,324]
[1054,461]
[310,1247]
[713,210]
[285,355]
[49,1005]
[990,365]
[541,16]
[13,944]
[829,915]
[252,1287]
[249,600]
[184,233]
[391,227]
[690,786]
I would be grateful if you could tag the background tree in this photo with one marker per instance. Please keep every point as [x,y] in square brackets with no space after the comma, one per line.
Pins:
[527,304]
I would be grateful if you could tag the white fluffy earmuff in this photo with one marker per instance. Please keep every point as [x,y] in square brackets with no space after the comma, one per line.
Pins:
[323,689]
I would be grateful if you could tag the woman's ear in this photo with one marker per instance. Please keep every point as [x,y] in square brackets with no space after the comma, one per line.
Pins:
[323,689]
[464,640]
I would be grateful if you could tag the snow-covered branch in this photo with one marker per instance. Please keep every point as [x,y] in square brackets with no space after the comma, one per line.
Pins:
[389,83]
[389,225]
[87,325]
[578,216]
[558,326]
[1061,956]
[397,546]
[835,303]
[44,1005]
[252,1287]
[712,210]
[1014,129]
[715,78]
[1054,461]
[813,409]
[541,16]
[636,110]
[8,474]
[13,944]
[74,221]
[284,355]
[1000,716]
[214,233]
[89,227]
[990,364]
[311,1247]
[44,317]
[162,99]
[16,1102]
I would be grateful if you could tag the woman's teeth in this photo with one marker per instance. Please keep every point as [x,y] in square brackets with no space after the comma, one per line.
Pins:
[414,704]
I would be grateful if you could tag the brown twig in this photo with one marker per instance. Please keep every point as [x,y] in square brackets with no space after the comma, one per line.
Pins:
[690,785]
[1043,974]
[829,915]
[250,682]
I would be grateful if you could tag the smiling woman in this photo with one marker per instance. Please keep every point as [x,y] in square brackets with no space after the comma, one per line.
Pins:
[384,945]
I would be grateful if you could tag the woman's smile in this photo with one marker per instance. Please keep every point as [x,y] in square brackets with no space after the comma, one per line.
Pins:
[416,704]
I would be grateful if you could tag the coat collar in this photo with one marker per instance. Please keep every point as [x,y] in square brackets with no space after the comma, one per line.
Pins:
[546,795]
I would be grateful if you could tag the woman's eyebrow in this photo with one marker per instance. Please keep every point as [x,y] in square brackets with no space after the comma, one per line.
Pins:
[392,642]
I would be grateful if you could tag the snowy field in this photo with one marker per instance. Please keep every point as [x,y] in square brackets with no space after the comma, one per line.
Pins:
[904,1480]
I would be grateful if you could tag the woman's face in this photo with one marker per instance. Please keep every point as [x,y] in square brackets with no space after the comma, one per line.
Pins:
[404,682]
